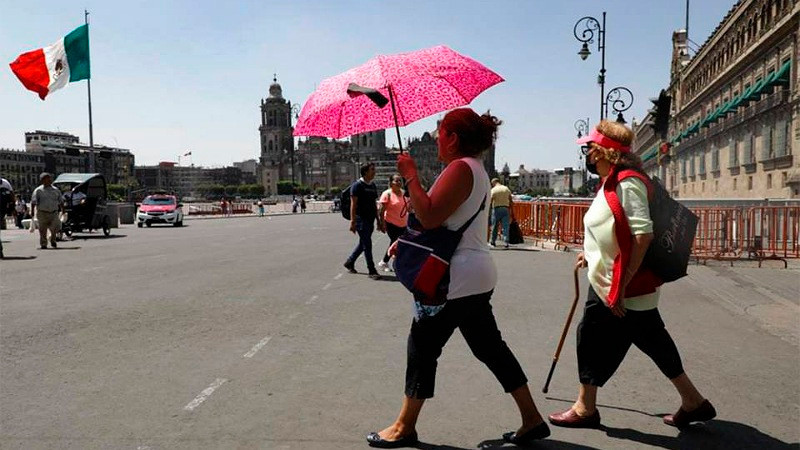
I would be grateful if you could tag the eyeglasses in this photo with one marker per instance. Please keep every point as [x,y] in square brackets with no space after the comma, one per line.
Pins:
[585,149]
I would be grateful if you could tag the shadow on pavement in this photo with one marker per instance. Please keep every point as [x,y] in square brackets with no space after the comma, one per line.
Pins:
[544,443]
[619,408]
[17,258]
[716,434]
[97,236]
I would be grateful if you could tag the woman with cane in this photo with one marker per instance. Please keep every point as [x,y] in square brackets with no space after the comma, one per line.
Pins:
[455,199]
[612,320]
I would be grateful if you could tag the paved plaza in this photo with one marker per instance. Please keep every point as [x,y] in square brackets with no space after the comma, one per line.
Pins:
[247,333]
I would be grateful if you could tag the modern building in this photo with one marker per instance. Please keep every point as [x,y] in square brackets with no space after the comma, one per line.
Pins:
[249,170]
[734,121]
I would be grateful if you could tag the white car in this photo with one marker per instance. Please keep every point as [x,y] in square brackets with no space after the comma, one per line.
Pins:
[160,208]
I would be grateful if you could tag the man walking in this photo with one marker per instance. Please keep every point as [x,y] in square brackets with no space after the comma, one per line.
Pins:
[501,210]
[45,207]
[363,215]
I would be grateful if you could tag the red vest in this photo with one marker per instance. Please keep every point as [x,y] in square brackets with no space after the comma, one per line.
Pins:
[644,281]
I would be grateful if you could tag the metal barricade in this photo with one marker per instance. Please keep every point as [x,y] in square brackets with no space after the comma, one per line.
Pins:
[727,233]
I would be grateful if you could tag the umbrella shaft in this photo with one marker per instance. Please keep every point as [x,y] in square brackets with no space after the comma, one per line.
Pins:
[396,125]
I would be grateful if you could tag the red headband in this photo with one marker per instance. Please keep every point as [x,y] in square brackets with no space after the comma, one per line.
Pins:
[603,141]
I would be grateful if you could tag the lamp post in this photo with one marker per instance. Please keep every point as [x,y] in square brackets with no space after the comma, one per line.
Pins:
[590,26]
[582,127]
[293,112]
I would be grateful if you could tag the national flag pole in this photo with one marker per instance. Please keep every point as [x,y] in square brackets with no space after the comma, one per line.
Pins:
[89,91]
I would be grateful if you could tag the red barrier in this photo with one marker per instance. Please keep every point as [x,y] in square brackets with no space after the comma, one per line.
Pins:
[723,233]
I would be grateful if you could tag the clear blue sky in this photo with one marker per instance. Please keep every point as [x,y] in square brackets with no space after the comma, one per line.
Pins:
[174,76]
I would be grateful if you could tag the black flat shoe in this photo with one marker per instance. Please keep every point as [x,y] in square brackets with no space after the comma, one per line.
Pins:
[540,431]
[375,440]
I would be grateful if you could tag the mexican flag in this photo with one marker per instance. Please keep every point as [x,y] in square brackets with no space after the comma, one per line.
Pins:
[52,67]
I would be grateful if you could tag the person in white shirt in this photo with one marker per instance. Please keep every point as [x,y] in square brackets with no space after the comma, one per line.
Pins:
[458,193]
[612,320]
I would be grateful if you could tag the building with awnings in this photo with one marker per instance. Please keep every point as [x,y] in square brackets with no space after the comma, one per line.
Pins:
[734,117]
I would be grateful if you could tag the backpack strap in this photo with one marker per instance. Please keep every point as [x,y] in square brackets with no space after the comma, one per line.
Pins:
[621,228]
[466,225]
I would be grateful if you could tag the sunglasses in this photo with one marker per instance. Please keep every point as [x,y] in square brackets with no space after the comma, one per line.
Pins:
[585,149]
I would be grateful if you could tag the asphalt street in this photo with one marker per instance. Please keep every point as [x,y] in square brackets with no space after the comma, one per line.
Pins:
[248,333]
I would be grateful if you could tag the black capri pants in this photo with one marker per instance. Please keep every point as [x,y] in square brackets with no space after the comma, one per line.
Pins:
[474,318]
[604,340]
[394,232]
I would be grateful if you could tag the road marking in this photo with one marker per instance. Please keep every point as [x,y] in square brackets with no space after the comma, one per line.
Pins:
[205,394]
[338,276]
[312,299]
[257,347]
[326,287]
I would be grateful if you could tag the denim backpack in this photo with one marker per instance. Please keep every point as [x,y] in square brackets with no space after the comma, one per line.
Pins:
[422,262]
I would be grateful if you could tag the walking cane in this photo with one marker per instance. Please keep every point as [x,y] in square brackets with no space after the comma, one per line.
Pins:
[564,332]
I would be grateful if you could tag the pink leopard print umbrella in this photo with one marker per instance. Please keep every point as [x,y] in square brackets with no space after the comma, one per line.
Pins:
[422,83]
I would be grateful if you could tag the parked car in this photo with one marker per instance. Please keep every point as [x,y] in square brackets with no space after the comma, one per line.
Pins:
[160,208]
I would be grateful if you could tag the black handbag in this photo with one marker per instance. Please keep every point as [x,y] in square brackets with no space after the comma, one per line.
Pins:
[514,233]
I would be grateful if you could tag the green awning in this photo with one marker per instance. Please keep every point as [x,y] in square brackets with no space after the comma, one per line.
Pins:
[779,78]
[755,93]
[732,105]
[744,99]
[649,154]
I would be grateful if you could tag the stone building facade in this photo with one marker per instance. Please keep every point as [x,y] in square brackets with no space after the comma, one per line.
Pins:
[734,125]
[277,142]
[59,152]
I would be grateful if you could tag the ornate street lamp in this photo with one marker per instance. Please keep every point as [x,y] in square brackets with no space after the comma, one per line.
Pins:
[582,127]
[621,99]
[589,26]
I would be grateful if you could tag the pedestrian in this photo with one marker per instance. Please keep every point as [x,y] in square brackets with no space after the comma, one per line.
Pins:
[394,212]
[363,216]
[6,205]
[295,205]
[302,205]
[21,210]
[501,210]
[619,312]
[223,204]
[260,205]
[45,207]
[460,191]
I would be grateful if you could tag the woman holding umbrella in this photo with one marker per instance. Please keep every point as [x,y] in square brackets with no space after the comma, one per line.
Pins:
[454,198]
[622,305]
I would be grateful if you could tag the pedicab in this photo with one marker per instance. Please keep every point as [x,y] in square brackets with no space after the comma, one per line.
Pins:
[85,197]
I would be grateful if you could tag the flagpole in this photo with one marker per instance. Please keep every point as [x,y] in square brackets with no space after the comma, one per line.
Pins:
[89,92]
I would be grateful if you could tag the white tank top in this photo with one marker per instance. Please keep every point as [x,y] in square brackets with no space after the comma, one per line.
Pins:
[472,269]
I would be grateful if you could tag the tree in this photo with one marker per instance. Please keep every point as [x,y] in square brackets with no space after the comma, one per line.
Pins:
[257,190]
[231,189]
[117,192]
[285,188]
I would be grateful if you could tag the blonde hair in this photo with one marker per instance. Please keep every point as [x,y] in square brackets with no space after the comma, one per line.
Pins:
[623,135]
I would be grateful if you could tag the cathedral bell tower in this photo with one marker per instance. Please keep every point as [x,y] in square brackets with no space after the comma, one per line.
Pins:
[277,143]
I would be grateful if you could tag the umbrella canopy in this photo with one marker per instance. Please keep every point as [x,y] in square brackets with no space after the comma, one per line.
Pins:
[420,84]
